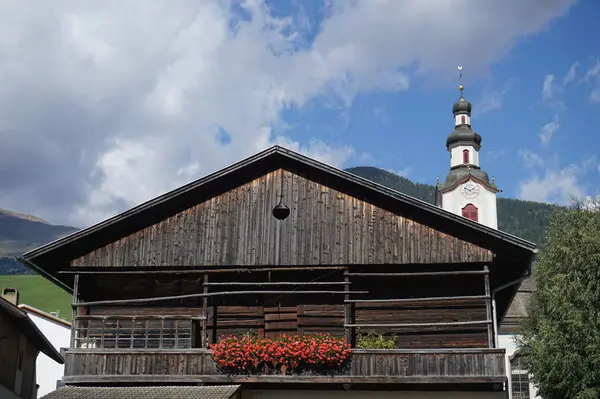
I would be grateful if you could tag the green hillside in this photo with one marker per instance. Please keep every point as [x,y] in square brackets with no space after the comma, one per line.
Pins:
[38,292]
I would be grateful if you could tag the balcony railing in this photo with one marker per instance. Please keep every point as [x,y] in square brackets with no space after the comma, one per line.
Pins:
[379,366]
[134,332]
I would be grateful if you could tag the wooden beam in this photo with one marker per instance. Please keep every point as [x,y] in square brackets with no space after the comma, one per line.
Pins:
[488,308]
[348,331]
[452,323]
[419,380]
[75,311]
[207,352]
[224,293]
[434,298]
[232,283]
[146,271]
[140,317]
[419,274]
[204,311]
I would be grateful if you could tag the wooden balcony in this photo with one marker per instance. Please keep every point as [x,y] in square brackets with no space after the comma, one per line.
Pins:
[368,366]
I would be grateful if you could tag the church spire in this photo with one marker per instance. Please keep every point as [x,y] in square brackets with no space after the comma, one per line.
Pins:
[462,134]
[467,190]
[461,108]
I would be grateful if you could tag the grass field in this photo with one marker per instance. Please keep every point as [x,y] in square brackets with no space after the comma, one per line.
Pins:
[40,293]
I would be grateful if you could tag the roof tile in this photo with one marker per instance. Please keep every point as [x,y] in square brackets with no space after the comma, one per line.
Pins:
[150,392]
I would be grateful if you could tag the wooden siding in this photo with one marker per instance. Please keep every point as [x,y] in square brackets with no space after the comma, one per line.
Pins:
[269,322]
[367,366]
[272,322]
[325,227]
[448,311]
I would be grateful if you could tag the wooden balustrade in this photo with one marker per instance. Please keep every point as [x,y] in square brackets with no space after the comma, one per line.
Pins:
[367,366]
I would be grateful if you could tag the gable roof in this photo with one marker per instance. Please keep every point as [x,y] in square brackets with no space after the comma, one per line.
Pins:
[48,258]
[30,330]
[157,392]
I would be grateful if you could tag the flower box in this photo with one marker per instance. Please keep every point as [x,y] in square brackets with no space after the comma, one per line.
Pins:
[317,354]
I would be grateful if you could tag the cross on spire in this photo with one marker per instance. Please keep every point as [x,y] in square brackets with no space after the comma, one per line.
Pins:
[460,86]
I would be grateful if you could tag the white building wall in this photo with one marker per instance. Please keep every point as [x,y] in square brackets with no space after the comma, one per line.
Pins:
[47,370]
[276,394]
[456,155]
[485,202]
[508,343]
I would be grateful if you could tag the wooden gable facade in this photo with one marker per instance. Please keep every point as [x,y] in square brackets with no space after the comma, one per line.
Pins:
[169,277]
[325,227]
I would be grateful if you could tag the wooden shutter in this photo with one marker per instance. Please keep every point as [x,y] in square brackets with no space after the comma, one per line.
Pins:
[280,320]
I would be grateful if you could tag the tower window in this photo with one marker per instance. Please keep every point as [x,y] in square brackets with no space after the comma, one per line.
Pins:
[463,120]
[470,211]
[465,156]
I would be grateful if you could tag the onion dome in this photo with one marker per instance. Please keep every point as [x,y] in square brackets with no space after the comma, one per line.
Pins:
[463,134]
[461,106]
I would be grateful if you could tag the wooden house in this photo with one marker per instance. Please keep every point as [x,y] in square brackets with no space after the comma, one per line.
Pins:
[49,373]
[21,341]
[282,244]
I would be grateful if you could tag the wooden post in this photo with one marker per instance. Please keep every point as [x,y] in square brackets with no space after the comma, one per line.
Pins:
[214,324]
[204,311]
[75,325]
[348,331]
[488,306]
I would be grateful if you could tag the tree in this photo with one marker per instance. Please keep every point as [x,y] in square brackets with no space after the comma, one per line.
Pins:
[560,337]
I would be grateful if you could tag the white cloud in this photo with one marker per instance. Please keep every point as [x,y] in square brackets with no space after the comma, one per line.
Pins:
[492,100]
[548,131]
[494,155]
[559,186]
[571,74]
[548,88]
[593,72]
[593,76]
[381,115]
[106,104]
[319,150]
[591,203]
[531,159]
[550,182]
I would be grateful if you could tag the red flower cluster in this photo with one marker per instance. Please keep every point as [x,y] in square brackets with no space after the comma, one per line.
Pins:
[288,353]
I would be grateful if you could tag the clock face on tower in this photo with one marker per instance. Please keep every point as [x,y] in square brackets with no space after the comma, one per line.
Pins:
[470,189]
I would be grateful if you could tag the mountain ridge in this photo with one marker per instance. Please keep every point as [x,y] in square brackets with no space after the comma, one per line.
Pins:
[21,232]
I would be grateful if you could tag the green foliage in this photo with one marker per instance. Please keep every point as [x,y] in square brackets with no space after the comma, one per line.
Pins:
[524,219]
[560,340]
[375,340]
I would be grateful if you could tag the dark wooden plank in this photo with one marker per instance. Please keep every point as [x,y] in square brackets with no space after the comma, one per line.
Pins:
[325,227]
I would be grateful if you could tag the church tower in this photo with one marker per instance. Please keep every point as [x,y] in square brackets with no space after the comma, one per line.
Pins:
[467,190]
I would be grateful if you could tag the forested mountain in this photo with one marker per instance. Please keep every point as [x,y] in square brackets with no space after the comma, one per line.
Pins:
[524,219]
[20,233]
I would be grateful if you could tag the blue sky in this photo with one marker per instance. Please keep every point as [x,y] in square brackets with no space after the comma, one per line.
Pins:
[528,137]
[104,105]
